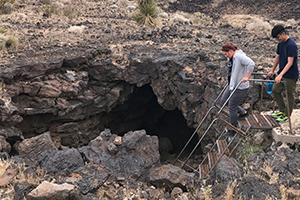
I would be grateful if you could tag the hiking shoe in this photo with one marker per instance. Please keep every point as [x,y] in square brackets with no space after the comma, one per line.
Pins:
[231,132]
[282,118]
[243,116]
[230,135]
[277,114]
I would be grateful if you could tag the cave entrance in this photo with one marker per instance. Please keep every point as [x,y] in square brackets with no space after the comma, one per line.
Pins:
[141,111]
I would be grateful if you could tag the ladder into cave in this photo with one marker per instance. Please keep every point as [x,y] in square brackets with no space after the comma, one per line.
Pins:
[224,145]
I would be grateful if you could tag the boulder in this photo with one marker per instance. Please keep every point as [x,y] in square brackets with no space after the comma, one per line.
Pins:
[137,153]
[251,187]
[226,170]
[31,148]
[22,189]
[50,191]
[89,178]
[170,176]
[283,165]
[57,161]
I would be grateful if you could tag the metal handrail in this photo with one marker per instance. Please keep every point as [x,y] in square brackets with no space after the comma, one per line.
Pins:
[199,142]
[286,94]
[212,147]
[221,110]
[199,125]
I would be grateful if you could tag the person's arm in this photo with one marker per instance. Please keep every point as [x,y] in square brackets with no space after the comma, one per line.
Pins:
[275,63]
[246,78]
[285,69]
[249,63]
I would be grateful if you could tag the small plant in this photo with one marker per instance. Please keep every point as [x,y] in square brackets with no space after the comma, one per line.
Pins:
[2,2]
[71,12]
[48,10]
[250,149]
[12,41]
[2,41]
[8,41]
[147,12]
[2,30]
[207,191]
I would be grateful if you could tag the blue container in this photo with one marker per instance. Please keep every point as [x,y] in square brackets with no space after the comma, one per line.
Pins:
[270,87]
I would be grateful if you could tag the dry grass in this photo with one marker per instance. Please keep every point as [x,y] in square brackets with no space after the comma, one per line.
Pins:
[229,190]
[7,192]
[37,178]
[3,166]
[273,175]
[283,192]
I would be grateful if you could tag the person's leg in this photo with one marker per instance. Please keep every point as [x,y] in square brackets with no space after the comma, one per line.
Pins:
[291,90]
[241,110]
[225,95]
[233,103]
[277,90]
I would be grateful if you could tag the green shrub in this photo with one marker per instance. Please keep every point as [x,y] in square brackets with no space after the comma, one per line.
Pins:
[48,10]
[8,41]
[147,12]
[2,42]
[2,30]
[2,2]
[207,192]
[12,41]
[71,12]
[250,149]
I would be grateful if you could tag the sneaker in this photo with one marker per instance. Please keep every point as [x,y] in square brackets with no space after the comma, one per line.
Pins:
[277,114]
[282,118]
[230,135]
[243,116]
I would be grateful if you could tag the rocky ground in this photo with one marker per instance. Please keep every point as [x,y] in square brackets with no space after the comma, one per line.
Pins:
[271,9]
[77,28]
[105,22]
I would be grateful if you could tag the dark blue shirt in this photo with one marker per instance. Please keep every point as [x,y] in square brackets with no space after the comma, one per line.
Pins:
[288,49]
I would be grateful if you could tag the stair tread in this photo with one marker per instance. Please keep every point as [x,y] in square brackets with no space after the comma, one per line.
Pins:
[203,171]
[212,158]
[222,147]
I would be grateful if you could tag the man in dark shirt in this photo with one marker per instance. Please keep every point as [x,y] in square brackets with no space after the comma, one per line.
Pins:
[287,58]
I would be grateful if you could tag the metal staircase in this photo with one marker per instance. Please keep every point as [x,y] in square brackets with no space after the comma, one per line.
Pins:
[223,144]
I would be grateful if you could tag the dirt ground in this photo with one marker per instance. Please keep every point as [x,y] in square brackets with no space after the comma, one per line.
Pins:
[273,9]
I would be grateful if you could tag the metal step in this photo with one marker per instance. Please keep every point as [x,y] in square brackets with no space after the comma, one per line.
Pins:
[230,126]
[212,159]
[203,171]
[259,121]
[222,147]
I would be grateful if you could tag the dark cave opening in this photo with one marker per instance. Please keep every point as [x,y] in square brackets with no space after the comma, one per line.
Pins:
[142,111]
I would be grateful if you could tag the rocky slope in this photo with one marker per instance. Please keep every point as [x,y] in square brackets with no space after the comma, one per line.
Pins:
[87,65]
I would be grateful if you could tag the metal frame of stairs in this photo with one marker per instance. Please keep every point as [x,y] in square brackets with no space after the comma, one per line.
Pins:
[223,148]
